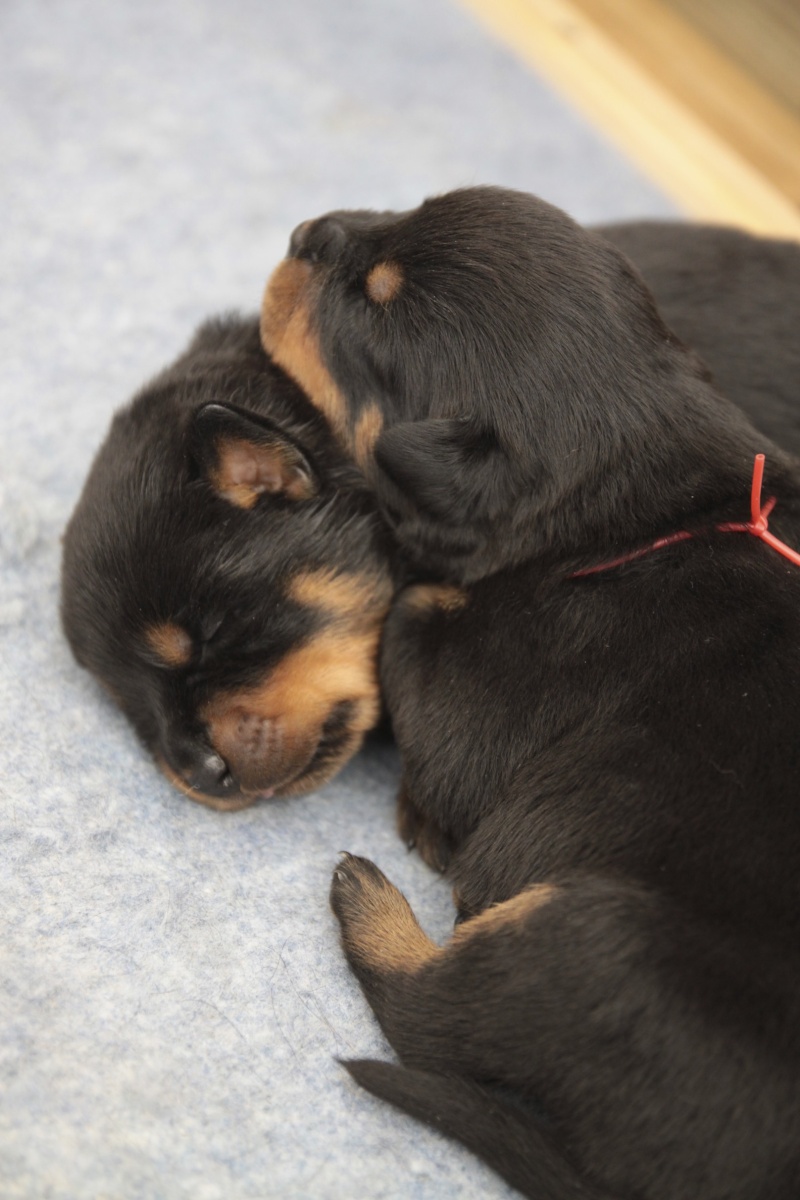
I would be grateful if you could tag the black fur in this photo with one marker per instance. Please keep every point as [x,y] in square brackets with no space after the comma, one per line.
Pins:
[734,299]
[630,738]
[509,1139]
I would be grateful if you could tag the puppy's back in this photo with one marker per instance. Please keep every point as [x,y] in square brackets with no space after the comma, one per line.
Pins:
[735,300]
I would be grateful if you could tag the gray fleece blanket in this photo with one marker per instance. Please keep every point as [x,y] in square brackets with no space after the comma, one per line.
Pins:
[172,994]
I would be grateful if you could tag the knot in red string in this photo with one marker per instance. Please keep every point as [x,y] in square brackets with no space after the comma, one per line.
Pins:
[757,525]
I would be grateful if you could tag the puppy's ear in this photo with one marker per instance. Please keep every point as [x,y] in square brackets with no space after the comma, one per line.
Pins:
[244,455]
[444,487]
[445,468]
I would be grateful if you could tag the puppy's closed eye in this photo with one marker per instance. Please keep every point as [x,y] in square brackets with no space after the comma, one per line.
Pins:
[210,626]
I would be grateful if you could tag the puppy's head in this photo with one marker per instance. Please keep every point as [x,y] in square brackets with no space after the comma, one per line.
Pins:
[502,375]
[225,577]
[482,305]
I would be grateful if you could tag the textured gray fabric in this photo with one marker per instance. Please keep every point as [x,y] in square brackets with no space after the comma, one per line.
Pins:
[171,988]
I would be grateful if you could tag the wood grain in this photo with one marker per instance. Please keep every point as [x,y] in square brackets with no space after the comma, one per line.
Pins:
[716,141]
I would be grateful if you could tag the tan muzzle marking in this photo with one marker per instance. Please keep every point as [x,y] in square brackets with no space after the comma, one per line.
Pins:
[288,335]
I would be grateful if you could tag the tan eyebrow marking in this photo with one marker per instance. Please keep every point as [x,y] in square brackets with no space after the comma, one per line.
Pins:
[384,281]
[170,643]
[360,599]
[366,434]
[430,597]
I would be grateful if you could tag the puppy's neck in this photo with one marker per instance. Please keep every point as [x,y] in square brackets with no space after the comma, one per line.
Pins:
[682,465]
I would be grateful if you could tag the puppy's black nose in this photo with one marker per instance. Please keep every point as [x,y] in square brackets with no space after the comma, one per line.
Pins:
[319,240]
[209,774]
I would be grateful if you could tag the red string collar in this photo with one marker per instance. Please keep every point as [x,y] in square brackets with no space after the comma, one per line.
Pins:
[757,525]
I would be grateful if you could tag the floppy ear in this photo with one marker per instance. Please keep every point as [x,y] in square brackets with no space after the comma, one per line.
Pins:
[446,469]
[244,455]
[446,488]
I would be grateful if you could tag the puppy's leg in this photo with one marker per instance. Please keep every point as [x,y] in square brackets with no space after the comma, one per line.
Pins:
[406,977]
[422,834]
[649,1036]
[516,1143]
[387,950]
[381,937]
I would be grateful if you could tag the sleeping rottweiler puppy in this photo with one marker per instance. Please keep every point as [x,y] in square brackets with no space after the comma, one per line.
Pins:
[429,363]
[597,706]
[226,577]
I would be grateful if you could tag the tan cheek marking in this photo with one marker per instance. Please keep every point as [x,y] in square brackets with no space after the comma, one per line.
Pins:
[331,667]
[384,281]
[356,598]
[170,643]
[218,803]
[301,691]
[308,783]
[287,335]
[425,598]
[366,433]
[338,664]
[284,291]
[509,913]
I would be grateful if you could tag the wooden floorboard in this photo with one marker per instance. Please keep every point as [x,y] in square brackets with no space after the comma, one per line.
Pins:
[762,36]
[723,146]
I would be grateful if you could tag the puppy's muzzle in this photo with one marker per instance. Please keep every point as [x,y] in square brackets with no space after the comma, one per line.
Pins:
[318,241]
[197,770]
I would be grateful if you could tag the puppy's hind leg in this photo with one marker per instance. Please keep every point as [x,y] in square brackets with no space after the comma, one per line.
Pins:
[400,970]
[413,986]
[649,1035]
[381,937]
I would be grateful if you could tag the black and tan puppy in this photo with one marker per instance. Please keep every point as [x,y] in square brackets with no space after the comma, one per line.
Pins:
[225,576]
[600,731]
[431,339]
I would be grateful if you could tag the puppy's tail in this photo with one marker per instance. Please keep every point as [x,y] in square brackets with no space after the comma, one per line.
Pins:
[509,1140]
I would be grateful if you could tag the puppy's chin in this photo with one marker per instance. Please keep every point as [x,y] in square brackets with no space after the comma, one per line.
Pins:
[233,803]
[333,752]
